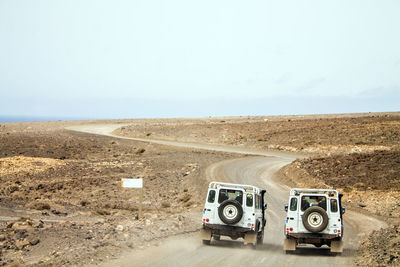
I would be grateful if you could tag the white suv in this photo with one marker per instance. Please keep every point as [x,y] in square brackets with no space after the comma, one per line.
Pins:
[234,210]
[314,216]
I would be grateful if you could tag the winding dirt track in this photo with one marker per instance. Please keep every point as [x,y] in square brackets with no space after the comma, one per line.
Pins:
[187,249]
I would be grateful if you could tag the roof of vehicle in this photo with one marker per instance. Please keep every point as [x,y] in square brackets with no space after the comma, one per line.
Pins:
[298,191]
[247,188]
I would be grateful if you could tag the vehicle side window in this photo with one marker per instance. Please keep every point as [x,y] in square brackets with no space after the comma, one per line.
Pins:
[293,204]
[334,205]
[249,200]
[211,196]
[257,202]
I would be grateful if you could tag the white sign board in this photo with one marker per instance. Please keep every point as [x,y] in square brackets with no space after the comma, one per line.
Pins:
[132,183]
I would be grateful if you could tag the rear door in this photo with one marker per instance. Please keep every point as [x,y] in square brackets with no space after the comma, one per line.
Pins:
[307,201]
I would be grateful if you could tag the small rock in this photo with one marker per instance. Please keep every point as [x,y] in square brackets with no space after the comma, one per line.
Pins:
[165,204]
[33,241]
[56,212]
[362,205]
[119,228]
[20,244]
[22,226]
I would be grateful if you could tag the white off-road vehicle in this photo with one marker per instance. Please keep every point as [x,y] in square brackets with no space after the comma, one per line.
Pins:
[234,210]
[314,216]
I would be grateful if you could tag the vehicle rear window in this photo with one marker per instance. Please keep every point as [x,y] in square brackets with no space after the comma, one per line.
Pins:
[211,196]
[231,194]
[249,200]
[334,205]
[309,201]
[293,204]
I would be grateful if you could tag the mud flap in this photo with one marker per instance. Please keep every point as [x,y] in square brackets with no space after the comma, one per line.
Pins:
[250,238]
[337,246]
[205,234]
[289,244]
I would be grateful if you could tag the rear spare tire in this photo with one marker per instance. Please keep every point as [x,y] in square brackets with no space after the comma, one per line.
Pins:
[315,219]
[230,211]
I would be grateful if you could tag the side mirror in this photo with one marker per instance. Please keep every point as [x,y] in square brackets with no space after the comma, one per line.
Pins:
[343,210]
[286,208]
[265,206]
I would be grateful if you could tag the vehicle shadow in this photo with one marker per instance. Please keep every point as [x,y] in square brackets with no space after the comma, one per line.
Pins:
[300,250]
[322,251]
[228,243]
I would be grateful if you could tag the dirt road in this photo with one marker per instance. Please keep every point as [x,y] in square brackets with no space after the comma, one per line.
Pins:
[187,249]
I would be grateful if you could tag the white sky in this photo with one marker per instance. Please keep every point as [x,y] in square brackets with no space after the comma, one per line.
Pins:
[198,58]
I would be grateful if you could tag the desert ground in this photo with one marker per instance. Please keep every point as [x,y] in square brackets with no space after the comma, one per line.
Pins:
[61,201]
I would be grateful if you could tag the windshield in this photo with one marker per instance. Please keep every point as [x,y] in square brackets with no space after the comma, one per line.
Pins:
[231,194]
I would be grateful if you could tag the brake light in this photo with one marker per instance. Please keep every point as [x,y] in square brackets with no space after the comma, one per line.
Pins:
[339,220]
[207,220]
[291,229]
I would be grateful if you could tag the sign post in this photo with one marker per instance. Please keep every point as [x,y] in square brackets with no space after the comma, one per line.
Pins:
[135,183]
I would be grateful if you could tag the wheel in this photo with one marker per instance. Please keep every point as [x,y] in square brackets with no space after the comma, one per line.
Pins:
[206,242]
[217,237]
[315,219]
[260,238]
[230,211]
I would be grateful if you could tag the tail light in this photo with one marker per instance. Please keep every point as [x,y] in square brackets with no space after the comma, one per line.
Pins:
[207,220]
[291,229]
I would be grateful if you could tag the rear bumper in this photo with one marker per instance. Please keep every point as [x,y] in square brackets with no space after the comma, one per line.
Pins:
[313,236]
[226,228]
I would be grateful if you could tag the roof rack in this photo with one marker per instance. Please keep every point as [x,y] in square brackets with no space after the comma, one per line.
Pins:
[247,188]
[298,191]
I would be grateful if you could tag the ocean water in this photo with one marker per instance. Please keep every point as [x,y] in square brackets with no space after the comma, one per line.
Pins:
[4,119]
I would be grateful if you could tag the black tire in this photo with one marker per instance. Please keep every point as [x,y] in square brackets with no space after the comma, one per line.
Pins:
[206,242]
[260,238]
[217,237]
[230,211]
[315,219]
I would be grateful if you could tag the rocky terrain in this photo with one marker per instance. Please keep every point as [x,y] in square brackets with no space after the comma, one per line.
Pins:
[61,200]
[308,134]
[357,154]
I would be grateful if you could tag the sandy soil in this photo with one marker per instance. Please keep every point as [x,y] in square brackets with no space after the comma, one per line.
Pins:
[61,201]
[359,155]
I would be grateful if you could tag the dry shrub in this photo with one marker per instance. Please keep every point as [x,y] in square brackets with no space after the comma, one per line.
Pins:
[40,206]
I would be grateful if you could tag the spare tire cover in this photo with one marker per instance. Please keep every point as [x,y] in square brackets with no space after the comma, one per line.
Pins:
[315,219]
[230,211]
